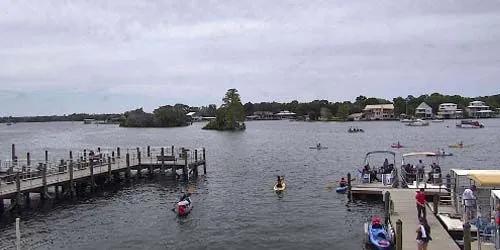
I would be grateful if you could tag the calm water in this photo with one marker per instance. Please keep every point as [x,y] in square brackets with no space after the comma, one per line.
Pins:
[235,207]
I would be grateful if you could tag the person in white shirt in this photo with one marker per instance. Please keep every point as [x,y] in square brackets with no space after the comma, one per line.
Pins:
[469,203]
[420,170]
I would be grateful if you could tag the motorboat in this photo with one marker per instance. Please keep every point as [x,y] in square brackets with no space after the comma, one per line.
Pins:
[385,172]
[469,124]
[430,178]
[418,123]
[184,207]
[355,130]
[458,145]
[379,235]
[318,147]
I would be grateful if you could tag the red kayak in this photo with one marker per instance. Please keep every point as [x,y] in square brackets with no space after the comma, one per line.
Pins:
[397,146]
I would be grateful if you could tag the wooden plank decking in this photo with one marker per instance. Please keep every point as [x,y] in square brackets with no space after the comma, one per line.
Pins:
[405,210]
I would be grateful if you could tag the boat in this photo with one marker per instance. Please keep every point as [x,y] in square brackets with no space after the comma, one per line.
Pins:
[378,235]
[406,120]
[458,145]
[320,147]
[431,178]
[418,123]
[437,120]
[355,130]
[397,145]
[184,207]
[279,189]
[385,172]
[440,154]
[341,190]
[470,124]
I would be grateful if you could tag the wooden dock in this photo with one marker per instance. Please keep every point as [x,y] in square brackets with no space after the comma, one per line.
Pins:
[92,169]
[406,211]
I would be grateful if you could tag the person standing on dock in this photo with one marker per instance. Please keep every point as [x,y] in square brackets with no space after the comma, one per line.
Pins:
[420,200]
[469,203]
[420,170]
[423,234]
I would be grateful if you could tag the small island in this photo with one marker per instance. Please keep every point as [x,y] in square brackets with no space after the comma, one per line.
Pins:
[164,116]
[230,115]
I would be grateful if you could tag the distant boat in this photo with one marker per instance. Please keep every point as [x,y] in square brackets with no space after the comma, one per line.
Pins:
[406,120]
[470,124]
[418,123]
[437,120]
[9,123]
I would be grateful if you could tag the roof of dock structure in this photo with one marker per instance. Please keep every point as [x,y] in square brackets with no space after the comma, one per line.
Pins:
[486,179]
[465,172]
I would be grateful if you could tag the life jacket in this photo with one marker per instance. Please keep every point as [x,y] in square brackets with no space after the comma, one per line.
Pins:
[343,181]
[181,209]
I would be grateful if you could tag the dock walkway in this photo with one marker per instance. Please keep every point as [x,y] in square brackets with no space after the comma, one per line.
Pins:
[405,210]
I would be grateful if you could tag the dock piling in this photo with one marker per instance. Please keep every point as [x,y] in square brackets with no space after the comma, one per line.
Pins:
[435,203]
[149,152]
[399,235]
[110,177]
[18,193]
[46,156]
[44,181]
[467,236]
[92,177]
[387,207]
[349,186]
[72,192]
[127,162]
[162,155]
[185,167]
[195,169]
[13,152]
[118,152]
[18,234]
[204,163]
[28,159]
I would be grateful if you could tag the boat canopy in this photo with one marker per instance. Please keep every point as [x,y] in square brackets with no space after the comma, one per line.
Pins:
[381,152]
[486,179]
[465,172]
[420,154]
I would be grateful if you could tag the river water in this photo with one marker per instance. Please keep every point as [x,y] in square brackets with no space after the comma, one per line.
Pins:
[234,204]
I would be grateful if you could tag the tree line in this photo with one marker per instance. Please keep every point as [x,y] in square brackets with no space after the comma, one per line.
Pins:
[54,118]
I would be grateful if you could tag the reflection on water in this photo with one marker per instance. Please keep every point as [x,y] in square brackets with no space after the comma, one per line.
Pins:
[235,206]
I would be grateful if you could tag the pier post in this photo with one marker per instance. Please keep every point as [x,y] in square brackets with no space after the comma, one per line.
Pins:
[19,201]
[46,156]
[27,199]
[138,156]
[349,193]
[28,159]
[195,170]
[435,203]
[467,236]
[204,163]
[185,167]
[109,169]
[14,158]
[113,156]
[387,207]
[44,181]
[72,192]
[118,152]
[149,152]
[173,153]
[127,162]
[162,155]
[399,235]
[92,177]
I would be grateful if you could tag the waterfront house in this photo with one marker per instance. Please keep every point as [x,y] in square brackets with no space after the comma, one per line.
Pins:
[379,112]
[479,109]
[423,111]
[263,115]
[285,114]
[449,111]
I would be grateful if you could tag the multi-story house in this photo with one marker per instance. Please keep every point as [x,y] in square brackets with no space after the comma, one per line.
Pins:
[449,111]
[424,111]
[479,109]
[379,112]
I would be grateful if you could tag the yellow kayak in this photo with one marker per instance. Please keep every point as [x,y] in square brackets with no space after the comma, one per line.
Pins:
[283,186]
[457,146]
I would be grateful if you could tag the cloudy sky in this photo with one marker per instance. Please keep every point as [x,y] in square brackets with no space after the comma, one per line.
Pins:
[61,56]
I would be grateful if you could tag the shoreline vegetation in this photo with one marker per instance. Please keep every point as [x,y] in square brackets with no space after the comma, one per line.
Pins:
[232,113]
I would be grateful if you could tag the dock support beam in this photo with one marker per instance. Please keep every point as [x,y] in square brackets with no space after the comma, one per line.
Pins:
[13,157]
[148,152]
[162,155]
[46,156]
[92,177]
[127,162]
[110,176]
[28,159]
[118,152]
[195,169]
[399,235]
[387,207]
[349,193]
[139,167]
[435,203]
[19,201]
[204,163]
[185,167]
[71,190]
[467,236]
[44,194]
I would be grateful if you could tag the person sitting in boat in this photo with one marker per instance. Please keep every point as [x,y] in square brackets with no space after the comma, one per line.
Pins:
[185,197]
[443,152]
[342,182]
[279,182]
[318,145]
[461,144]
[376,222]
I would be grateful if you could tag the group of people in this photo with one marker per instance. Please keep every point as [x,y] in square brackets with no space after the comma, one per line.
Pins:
[418,171]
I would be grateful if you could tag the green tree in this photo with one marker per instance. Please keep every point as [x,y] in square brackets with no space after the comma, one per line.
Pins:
[231,114]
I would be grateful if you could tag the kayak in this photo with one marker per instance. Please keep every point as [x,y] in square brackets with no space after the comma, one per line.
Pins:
[457,146]
[341,190]
[378,236]
[183,208]
[279,189]
[318,147]
[397,146]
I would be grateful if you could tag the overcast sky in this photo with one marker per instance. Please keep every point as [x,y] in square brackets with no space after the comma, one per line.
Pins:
[98,56]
